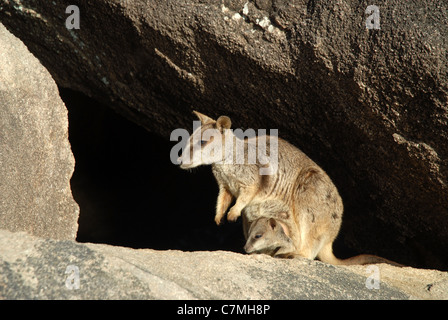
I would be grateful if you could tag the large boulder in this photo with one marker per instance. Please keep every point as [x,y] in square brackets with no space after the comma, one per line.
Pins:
[33,268]
[368,105]
[35,156]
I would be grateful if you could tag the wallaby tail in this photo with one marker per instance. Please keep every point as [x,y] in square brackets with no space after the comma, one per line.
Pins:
[369,259]
[326,255]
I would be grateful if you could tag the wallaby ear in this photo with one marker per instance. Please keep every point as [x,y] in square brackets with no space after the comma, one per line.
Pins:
[223,122]
[272,223]
[203,118]
[284,228]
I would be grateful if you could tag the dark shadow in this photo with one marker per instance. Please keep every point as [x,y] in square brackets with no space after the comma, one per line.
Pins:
[129,192]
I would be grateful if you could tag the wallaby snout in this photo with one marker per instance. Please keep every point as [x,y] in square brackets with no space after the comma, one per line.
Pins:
[248,248]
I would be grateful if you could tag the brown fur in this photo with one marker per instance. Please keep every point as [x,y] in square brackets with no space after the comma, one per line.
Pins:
[299,194]
[270,237]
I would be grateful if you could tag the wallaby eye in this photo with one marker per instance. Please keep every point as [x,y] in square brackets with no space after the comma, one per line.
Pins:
[204,142]
[258,236]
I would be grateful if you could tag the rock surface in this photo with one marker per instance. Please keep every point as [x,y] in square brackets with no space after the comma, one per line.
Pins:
[35,156]
[370,106]
[33,268]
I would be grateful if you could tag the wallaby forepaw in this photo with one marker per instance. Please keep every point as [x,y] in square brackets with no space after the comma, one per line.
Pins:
[233,215]
[218,220]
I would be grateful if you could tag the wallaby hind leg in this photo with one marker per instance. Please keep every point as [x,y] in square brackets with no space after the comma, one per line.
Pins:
[326,254]
[309,247]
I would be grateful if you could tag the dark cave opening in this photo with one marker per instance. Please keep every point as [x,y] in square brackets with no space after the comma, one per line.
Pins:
[129,192]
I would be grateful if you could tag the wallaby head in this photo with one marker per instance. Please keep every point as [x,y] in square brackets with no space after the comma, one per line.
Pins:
[267,236]
[206,144]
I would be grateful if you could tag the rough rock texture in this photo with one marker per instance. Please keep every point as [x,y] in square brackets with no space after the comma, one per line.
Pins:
[370,106]
[36,162]
[32,268]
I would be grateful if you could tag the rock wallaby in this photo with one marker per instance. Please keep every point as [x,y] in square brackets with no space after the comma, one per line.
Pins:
[283,183]
[269,236]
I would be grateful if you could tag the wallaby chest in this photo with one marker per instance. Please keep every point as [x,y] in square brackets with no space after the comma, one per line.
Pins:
[234,177]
